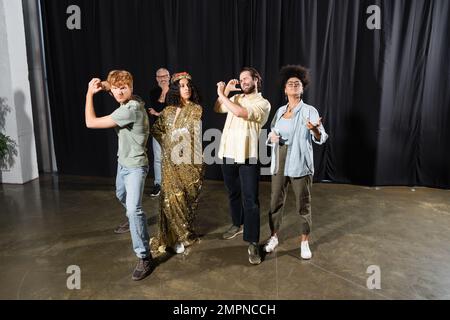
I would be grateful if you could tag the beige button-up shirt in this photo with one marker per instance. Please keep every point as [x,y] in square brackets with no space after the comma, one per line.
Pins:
[240,136]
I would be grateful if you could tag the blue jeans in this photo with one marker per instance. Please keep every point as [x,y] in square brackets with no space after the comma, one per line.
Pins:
[129,189]
[156,161]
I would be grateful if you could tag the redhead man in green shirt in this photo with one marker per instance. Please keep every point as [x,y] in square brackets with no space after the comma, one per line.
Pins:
[131,123]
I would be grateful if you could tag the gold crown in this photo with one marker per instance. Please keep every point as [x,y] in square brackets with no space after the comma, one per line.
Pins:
[180,75]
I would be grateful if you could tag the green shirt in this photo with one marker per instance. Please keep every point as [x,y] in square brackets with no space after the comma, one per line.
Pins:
[133,131]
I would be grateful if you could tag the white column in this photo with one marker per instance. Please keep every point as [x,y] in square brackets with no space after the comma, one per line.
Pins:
[15,97]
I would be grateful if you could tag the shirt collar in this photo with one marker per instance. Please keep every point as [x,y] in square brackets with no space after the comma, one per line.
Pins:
[297,108]
[252,95]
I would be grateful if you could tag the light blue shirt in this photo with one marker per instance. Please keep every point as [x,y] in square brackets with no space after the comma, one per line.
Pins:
[299,159]
[285,129]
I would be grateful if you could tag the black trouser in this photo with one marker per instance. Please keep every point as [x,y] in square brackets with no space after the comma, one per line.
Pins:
[242,183]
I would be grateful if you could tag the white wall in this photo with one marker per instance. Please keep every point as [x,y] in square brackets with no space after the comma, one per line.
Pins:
[15,94]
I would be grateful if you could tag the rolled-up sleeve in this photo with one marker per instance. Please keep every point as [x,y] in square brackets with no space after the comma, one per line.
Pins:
[258,112]
[222,109]
[323,134]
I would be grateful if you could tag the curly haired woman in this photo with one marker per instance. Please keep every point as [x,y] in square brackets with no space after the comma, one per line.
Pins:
[178,130]
[295,126]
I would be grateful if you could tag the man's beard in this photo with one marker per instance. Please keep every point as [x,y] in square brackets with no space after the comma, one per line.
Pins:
[250,89]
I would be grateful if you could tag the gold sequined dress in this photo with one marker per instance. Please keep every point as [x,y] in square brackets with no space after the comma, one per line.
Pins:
[182,174]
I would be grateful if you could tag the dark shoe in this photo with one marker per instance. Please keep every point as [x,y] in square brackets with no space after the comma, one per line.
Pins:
[143,268]
[253,254]
[122,228]
[155,191]
[232,232]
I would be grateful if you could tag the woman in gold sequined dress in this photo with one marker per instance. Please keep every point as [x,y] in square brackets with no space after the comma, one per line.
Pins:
[179,132]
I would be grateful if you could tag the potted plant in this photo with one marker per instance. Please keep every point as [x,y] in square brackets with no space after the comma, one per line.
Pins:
[7,149]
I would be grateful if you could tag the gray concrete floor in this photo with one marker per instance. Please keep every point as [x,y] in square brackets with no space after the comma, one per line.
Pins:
[54,222]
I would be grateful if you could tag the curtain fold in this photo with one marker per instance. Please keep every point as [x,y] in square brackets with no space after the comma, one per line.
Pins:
[383,94]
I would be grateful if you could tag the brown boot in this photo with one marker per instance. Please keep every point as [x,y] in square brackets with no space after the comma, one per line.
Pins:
[143,268]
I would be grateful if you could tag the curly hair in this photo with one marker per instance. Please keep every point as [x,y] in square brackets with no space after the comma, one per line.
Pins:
[295,71]
[119,78]
[174,98]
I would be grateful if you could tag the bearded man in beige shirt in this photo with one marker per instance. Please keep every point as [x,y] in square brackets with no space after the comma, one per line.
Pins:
[246,115]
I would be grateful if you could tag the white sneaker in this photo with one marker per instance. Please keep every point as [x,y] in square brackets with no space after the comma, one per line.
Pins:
[305,252]
[271,244]
[179,248]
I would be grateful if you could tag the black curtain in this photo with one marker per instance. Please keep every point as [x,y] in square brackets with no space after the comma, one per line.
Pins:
[383,94]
